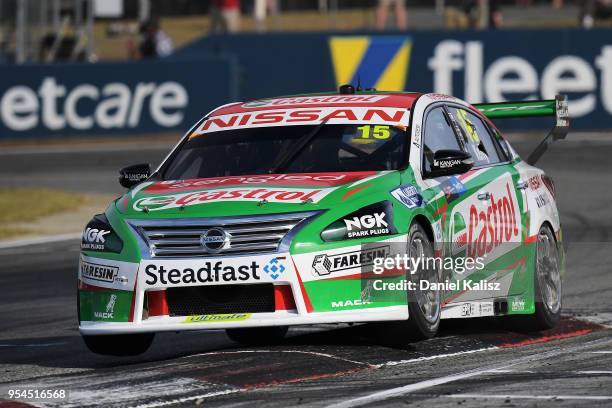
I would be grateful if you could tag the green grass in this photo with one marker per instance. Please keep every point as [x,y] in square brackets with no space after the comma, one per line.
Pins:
[22,205]
[8,232]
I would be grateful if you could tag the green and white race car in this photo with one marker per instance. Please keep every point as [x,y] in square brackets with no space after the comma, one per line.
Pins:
[402,208]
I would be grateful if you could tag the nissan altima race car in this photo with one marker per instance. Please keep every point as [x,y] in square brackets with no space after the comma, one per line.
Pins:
[313,209]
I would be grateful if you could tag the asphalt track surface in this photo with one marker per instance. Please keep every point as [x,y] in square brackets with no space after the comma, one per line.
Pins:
[476,363]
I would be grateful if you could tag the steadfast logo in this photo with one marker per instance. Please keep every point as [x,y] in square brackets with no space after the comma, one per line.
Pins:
[208,272]
[56,106]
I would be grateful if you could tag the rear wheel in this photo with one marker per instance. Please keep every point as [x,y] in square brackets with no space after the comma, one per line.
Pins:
[119,344]
[547,282]
[257,335]
[424,306]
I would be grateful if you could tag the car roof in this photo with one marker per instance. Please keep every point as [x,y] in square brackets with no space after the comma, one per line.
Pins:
[320,100]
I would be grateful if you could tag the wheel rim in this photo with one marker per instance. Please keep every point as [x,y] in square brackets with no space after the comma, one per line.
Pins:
[548,273]
[427,300]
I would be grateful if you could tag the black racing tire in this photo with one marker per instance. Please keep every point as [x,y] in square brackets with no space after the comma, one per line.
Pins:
[122,345]
[423,321]
[257,335]
[547,286]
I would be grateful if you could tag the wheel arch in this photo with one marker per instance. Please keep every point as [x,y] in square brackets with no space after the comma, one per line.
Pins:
[424,222]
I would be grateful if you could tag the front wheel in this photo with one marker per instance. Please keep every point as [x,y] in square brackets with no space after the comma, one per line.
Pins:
[257,335]
[424,306]
[547,283]
[122,345]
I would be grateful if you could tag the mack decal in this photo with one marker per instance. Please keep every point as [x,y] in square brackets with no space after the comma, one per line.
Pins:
[110,307]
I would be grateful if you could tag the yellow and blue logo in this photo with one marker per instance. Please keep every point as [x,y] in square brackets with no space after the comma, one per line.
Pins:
[379,62]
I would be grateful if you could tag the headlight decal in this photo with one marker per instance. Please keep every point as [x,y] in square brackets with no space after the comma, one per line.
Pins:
[99,236]
[371,221]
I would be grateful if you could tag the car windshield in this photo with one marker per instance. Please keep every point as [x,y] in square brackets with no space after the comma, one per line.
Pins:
[334,148]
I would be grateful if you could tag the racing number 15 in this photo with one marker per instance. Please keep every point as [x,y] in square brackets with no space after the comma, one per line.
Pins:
[380,132]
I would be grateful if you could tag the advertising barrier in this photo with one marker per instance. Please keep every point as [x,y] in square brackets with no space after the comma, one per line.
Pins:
[111,98]
[478,66]
[171,94]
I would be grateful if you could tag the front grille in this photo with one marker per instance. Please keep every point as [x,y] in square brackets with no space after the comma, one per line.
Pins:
[220,299]
[183,238]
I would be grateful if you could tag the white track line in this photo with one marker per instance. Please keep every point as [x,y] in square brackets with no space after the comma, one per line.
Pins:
[421,385]
[40,240]
[540,397]
[589,372]
[188,399]
[312,353]
[459,353]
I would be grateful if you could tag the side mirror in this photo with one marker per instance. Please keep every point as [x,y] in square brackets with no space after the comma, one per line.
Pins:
[131,175]
[449,162]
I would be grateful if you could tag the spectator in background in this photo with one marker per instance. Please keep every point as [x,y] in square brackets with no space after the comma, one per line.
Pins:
[382,14]
[153,42]
[224,16]
[590,10]
[473,14]
[483,13]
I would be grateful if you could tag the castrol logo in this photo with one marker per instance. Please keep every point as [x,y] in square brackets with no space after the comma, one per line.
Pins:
[494,224]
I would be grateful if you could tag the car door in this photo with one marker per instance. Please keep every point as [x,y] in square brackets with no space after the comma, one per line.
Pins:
[442,132]
[486,223]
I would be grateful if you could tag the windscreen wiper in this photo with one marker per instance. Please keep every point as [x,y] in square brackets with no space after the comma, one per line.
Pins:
[284,159]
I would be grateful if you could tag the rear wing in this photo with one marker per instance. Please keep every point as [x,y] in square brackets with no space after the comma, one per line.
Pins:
[512,110]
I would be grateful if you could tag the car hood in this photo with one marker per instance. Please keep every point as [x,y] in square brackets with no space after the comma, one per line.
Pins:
[252,195]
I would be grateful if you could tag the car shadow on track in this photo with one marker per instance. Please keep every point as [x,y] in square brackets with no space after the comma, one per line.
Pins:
[360,342]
